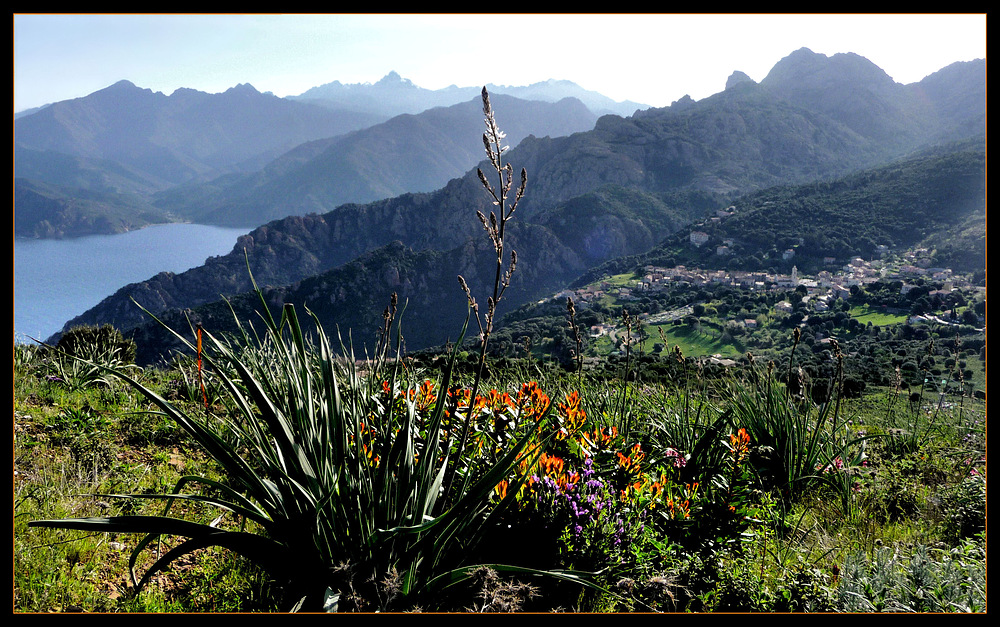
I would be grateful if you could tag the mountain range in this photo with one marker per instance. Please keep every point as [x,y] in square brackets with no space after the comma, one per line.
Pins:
[199,157]
[615,190]
[394,95]
[407,153]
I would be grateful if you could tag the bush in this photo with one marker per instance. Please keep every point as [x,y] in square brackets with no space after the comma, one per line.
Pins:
[965,508]
[98,344]
[85,355]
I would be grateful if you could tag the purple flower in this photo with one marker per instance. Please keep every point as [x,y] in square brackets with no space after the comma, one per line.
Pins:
[678,459]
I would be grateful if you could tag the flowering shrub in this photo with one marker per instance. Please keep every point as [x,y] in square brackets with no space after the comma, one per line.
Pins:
[587,512]
[592,501]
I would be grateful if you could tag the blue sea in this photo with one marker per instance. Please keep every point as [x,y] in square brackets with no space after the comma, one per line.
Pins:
[56,280]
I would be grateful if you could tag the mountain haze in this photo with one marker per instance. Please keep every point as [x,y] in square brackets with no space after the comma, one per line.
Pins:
[394,95]
[408,153]
[229,158]
[124,140]
[187,136]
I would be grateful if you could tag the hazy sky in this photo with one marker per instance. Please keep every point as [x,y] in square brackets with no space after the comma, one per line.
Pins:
[653,59]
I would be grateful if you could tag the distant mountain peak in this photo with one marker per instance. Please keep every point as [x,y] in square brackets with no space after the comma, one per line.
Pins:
[393,79]
[805,67]
[683,102]
[122,91]
[736,78]
[242,88]
[122,87]
[804,53]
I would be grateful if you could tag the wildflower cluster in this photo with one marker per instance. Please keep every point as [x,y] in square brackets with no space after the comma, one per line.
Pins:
[597,441]
[494,416]
[678,506]
[531,402]
[739,449]
[585,511]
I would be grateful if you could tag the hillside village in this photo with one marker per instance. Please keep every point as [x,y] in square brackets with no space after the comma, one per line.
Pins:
[820,291]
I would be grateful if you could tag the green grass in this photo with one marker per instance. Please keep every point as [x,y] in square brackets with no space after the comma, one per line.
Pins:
[865,314]
[693,342]
[75,441]
[626,279]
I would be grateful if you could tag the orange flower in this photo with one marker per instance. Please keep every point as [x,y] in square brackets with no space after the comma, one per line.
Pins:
[460,397]
[656,489]
[573,415]
[571,408]
[425,396]
[494,401]
[679,509]
[600,438]
[531,401]
[555,468]
[498,402]
[632,463]
[373,460]
[739,444]
[551,465]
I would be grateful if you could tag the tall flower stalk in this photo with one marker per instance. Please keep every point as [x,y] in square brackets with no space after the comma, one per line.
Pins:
[575,328]
[495,226]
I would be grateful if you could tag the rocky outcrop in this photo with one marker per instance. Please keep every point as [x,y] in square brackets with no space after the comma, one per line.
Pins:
[737,78]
